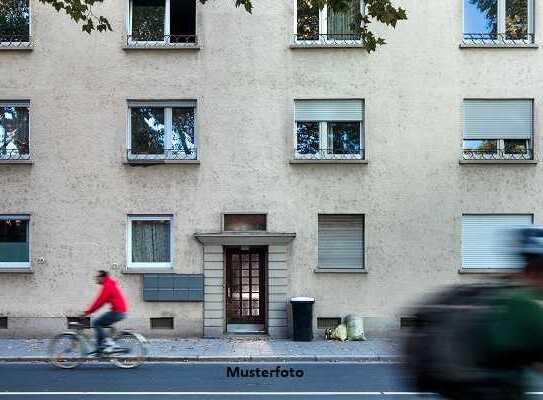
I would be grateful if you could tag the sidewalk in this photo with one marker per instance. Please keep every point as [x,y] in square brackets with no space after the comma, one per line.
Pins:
[233,349]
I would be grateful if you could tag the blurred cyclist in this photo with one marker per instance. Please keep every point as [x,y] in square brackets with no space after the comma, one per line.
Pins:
[111,294]
[478,341]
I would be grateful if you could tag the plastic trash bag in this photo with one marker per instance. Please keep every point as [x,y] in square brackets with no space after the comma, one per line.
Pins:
[355,327]
[338,333]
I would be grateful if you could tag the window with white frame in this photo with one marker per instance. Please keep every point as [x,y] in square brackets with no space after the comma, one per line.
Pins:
[14,241]
[160,130]
[498,21]
[14,130]
[341,241]
[150,241]
[487,240]
[14,22]
[327,24]
[329,129]
[498,129]
[162,21]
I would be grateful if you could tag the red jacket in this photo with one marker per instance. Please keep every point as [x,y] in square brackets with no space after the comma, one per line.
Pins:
[111,293]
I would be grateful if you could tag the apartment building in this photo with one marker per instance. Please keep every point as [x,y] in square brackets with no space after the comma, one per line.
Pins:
[218,163]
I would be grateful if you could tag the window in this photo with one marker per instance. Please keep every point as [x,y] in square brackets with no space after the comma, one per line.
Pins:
[487,240]
[150,242]
[498,129]
[498,21]
[14,131]
[14,241]
[14,23]
[327,25]
[341,241]
[161,323]
[162,131]
[244,222]
[329,129]
[162,22]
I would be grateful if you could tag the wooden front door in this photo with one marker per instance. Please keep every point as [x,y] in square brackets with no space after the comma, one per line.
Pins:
[245,285]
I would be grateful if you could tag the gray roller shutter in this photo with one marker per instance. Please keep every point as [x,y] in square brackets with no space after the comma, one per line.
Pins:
[498,119]
[341,241]
[487,240]
[329,110]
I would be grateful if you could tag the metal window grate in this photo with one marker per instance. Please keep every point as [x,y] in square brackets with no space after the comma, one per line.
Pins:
[85,321]
[328,323]
[162,323]
[3,322]
[409,322]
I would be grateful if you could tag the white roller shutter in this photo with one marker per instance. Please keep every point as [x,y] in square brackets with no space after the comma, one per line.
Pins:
[498,119]
[329,110]
[341,241]
[487,240]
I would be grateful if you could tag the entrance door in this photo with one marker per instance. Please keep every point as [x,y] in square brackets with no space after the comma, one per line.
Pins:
[245,289]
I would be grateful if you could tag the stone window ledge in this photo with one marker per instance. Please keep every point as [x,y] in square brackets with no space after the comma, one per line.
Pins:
[19,161]
[510,162]
[337,161]
[162,47]
[159,162]
[491,271]
[498,46]
[142,271]
[22,47]
[326,46]
[28,270]
[340,271]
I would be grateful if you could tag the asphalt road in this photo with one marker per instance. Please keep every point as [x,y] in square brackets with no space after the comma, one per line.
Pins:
[210,381]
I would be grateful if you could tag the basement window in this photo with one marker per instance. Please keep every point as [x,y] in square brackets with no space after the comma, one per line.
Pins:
[162,323]
[3,322]
[328,323]
[162,22]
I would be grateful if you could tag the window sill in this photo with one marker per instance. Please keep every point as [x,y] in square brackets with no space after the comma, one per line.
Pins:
[141,271]
[324,161]
[511,162]
[8,162]
[498,46]
[159,161]
[25,270]
[491,271]
[321,45]
[159,46]
[17,47]
[340,271]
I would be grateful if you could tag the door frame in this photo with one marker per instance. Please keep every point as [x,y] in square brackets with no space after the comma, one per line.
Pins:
[264,278]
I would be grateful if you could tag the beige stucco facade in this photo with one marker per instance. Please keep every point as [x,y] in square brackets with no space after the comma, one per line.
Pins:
[245,77]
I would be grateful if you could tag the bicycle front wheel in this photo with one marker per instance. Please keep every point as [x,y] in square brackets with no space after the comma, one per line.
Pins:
[66,351]
[129,352]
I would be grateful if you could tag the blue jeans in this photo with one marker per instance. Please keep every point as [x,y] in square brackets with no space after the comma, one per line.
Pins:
[104,321]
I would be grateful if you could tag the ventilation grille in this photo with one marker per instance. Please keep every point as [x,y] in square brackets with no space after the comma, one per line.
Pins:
[3,322]
[162,323]
[328,323]
[85,321]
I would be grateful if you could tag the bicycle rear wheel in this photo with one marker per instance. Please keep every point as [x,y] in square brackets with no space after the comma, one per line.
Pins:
[130,350]
[66,351]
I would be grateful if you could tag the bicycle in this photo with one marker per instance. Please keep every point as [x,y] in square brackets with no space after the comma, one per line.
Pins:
[73,347]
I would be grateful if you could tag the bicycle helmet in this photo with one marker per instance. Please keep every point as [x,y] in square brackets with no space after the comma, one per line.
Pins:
[530,241]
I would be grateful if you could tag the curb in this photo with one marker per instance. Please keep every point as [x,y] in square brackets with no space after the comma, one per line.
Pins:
[237,359]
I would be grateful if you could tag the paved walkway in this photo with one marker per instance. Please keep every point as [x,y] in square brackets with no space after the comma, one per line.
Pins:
[233,349]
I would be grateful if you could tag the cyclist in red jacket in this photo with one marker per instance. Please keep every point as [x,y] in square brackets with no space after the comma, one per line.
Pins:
[111,293]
